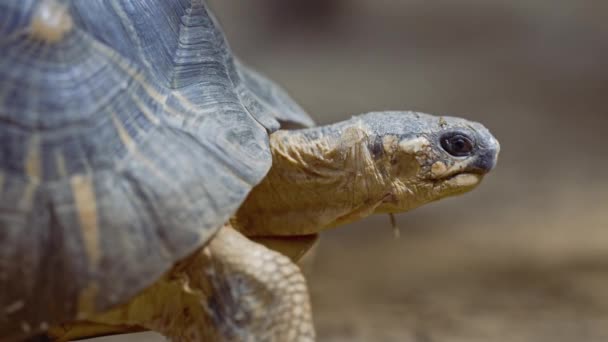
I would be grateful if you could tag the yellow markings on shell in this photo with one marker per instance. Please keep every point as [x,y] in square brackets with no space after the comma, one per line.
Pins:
[132,148]
[123,134]
[86,205]
[28,195]
[184,101]
[50,22]
[60,164]
[153,93]
[150,90]
[187,104]
[131,71]
[32,159]
[145,110]
[415,145]
[126,140]
[86,300]
[33,169]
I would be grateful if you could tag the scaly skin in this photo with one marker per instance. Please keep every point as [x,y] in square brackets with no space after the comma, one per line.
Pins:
[375,163]
[232,290]
[237,290]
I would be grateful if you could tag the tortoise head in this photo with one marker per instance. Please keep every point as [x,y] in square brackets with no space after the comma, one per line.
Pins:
[426,158]
[383,162]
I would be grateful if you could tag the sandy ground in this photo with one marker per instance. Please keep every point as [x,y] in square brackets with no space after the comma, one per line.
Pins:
[522,258]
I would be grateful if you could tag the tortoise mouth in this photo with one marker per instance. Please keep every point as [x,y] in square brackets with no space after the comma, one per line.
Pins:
[461,173]
[463,179]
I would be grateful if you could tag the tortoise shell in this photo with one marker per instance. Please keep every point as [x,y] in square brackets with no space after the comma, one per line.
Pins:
[128,135]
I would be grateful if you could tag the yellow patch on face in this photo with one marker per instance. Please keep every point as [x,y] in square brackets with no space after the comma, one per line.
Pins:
[389,143]
[50,22]
[438,169]
[413,146]
[353,135]
[86,205]
[463,180]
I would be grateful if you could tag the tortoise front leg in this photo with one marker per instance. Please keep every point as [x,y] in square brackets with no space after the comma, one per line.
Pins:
[232,290]
[295,247]
[256,294]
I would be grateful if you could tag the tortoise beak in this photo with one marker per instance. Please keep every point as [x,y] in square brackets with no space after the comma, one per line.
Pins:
[486,159]
[484,163]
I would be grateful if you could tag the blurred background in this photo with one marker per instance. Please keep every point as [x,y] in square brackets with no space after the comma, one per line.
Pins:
[522,258]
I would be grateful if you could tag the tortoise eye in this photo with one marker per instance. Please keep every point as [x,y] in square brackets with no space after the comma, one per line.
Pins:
[457,144]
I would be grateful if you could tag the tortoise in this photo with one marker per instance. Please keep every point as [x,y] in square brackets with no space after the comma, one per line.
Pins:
[144,170]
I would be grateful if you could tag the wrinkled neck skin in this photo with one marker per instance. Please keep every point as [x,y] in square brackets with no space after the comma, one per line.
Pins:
[327,176]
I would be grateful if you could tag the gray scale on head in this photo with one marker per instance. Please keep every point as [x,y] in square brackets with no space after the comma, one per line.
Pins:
[126,140]
[411,125]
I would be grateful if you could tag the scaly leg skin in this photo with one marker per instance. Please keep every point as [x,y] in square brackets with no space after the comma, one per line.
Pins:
[295,247]
[232,290]
[261,292]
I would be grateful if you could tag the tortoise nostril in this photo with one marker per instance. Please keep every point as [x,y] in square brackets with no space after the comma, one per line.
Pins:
[485,162]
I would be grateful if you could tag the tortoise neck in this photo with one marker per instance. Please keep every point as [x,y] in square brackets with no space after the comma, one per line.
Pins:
[320,178]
